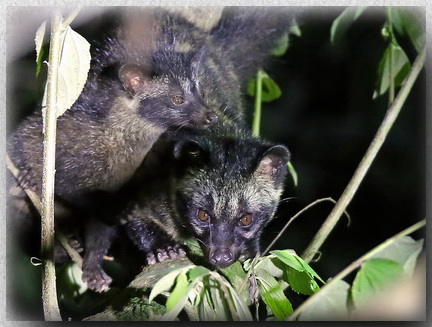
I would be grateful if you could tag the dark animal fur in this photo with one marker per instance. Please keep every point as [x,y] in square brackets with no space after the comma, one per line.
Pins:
[232,170]
[234,174]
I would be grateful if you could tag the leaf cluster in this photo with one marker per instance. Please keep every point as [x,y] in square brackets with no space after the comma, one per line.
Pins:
[394,65]
[212,295]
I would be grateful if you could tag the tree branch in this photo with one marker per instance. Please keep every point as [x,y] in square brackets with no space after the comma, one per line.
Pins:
[356,264]
[49,289]
[366,162]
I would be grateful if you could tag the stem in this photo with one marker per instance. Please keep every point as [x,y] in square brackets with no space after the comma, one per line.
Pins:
[391,79]
[292,219]
[34,198]
[366,162]
[258,95]
[354,265]
[68,20]
[49,292]
[32,195]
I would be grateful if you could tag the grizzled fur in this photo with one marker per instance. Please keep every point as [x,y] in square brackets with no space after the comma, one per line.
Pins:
[231,180]
[104,137]
[127,104]
[227,176]
[246,34]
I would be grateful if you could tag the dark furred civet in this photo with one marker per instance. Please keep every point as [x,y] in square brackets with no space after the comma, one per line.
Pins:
[223,190]
[220,84]
[220,79]
[138,87]
[127,103]
[106,134]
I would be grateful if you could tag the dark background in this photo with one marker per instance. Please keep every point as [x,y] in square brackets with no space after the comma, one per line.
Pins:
[327,118]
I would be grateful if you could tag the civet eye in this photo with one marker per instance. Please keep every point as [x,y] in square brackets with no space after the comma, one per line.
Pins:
[177,100]
[203,215]
[246,220]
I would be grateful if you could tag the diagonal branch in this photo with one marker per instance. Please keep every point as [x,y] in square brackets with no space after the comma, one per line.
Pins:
[363,167]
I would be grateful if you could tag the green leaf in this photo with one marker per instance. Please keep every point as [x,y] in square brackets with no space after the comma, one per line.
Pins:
[270,90]
[396,20]
[295,29]
[166,282]
[219,302]
[343,22]
[178,292]
[241,306]
[330,303]
[151,275]
[75,274]
[251,87]
[40,33]
[403,250]
[271,265]
[288,257]
[236,275]
[274,296]
[282,46]
[73,70]
[234,272]
[373,277]
[405,22]
[205,307]
[309,269]
[393,65]
[173,313]
[197,272]
[301,282]
[293,173]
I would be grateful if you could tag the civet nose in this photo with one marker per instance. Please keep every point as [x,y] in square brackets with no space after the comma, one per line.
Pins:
[211,117]
[221,257]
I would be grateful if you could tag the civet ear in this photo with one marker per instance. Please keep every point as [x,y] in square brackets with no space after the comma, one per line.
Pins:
[133,78]
[273,162]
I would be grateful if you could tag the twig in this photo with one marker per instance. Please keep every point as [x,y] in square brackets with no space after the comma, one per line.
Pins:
[292,219]
[75,256]
[49,289]
[357,264]
[68,20]
[366,162]
[391,57]
[258,96]
[32,195]
[34,198]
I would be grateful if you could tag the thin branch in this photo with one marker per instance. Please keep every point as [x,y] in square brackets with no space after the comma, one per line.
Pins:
[366,162]
[391,57]
[49,289]
[74,255]
[257,112]
[356,264]
[68,20]
[292,219]
[34,198]
[32,195]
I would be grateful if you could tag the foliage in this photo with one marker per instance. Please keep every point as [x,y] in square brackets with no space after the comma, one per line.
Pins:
[222,296]
[73,67]
[394,65]
[393,263]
